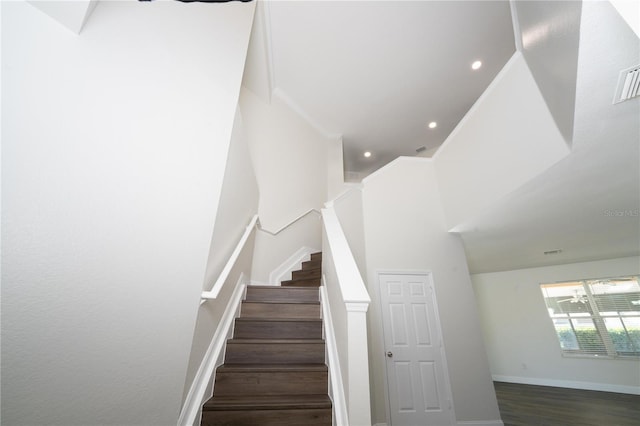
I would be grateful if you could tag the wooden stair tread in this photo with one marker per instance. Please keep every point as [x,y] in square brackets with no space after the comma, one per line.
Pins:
[275,371]
[303,282]
[300,279]
[286,319]
[311,264]
[274,341]
[261,368]
[315,273]
[283,302]
[291,287]
[267,402]
[314,267]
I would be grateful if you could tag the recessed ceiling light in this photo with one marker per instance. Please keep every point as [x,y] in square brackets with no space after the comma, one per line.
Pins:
[476,65]
[367,154]
[433,125]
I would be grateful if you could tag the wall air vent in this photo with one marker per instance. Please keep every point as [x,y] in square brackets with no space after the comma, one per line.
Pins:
[628,85]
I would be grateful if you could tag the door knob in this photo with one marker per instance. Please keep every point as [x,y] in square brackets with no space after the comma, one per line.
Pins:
[389,354]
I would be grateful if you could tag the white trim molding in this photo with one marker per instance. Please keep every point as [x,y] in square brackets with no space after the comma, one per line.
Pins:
[349,189]
[480,423]
[570,384]
[295,107]
[283,272]
[333,361]
[217,286]
[351,283]
[266,27]
[356,299]
[291,222]
[213,358]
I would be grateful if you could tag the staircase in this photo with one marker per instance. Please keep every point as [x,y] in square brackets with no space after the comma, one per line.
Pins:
[274,371]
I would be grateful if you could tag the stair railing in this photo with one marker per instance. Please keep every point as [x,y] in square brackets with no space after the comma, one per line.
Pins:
[217,286]
[196,395]
[291,222]
[348,301]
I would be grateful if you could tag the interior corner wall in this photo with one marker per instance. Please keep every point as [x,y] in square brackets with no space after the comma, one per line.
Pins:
[507,138]
[335,168]
[629,10]
[525,348]
[405,230]
[272,251]
[550,35]
[238,204]
[290,161]
[350,214]
[114,145]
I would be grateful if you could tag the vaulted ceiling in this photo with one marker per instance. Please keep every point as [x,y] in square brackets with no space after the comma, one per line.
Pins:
[377,73]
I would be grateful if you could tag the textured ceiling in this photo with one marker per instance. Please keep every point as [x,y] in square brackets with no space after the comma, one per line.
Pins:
[378,72]
[587,205]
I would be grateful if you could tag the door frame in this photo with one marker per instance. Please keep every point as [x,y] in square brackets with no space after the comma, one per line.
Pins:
[447,381]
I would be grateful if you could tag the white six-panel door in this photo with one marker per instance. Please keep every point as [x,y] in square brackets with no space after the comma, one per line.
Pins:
[416,377]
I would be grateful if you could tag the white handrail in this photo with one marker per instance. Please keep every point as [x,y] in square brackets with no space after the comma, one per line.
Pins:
[333,360]
[346,267]
[215,290]
[282,228]
[356,303]
[196,395]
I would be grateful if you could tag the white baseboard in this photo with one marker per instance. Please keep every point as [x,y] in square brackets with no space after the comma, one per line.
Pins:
[283,272]
[197,394]
[380,424]
[571,384]
[333,361]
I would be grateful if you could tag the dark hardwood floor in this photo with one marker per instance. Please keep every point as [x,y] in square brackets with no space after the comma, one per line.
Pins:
[529,405]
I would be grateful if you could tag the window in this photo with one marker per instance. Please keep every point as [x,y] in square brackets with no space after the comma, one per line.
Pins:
[596,317]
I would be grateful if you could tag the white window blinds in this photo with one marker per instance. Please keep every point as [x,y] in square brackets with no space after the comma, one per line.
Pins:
[596,317]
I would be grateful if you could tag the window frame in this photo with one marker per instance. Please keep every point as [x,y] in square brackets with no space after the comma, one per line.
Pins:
[598,320]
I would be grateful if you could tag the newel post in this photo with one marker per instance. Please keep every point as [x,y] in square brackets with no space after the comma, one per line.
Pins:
[358,356]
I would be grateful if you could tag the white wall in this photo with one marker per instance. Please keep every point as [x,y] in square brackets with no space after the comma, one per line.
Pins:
[405,230]
[335,168]
[238,204]
[520,339]
[630,12]
[349,211]
[71,14]
[506,138]
[114,146]
[290,160]
[272,251]
[549,37]
[291,164]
